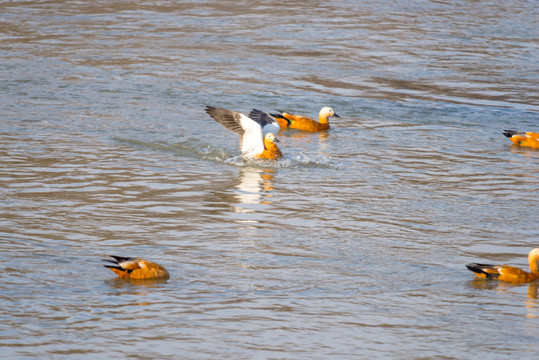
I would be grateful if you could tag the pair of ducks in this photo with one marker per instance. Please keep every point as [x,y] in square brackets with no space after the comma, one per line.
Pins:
[141,269]
[257,131]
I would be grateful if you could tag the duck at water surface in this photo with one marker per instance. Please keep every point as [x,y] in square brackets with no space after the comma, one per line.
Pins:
[133,268]
[508,273]
[257,131]
[526,139]
[290,121]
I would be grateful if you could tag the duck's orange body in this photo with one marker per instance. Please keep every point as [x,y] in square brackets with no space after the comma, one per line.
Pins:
[290,121]
[133,268]
[526,139]
[509,273]
[271,151]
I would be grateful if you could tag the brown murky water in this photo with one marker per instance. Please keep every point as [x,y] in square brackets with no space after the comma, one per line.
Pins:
[352,246]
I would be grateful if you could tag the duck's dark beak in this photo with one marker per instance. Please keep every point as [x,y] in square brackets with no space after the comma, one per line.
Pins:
[335,114]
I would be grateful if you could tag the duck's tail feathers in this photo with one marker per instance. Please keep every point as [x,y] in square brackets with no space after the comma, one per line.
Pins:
[119,259]
[484,270]
[116,262]
[510,133]
[284,122]
[278,116]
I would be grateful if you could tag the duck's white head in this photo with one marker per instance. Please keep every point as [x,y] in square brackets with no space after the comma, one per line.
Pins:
[327,112]
[533,256]
[269,137]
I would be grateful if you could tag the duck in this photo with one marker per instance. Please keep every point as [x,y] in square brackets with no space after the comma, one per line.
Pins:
[526,139]
[508,273]
[135,268]
[257,139]
[289,121]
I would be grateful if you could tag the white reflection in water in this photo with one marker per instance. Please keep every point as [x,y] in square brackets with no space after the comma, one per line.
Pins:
[254,187]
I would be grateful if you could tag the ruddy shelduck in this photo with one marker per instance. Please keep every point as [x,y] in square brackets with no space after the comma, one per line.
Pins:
[290,121]
[526,139]
[509,273]
[133,268]
[253,142]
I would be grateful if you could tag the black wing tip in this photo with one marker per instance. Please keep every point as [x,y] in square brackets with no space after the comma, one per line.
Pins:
[261,117]
[473,267]
[510,133]
[257,113]
[479,269]
[210,109]
[119,259]
[112,267]
[277,116]
[217,111]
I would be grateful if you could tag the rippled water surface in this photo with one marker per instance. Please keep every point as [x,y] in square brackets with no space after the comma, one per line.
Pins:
[352,246]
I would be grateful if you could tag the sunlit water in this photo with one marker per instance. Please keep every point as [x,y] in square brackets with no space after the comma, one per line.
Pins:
[352,246]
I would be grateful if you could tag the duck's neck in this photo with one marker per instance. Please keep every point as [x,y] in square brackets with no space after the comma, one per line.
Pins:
[533,260]
[323,119]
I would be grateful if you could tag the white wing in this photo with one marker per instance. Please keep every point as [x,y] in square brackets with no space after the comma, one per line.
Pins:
[251,142]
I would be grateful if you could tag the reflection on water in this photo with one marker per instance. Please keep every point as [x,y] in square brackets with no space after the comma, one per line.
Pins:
[135,285]
[504,286]
[532,291]
[255,187]
[532,305]
[534,153]
[512,295]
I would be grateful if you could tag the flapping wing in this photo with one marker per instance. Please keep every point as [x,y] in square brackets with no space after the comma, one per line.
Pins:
[228,118]
[269,125]
[251,141]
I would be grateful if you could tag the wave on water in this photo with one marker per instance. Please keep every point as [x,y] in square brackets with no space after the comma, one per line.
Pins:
[190,148]
[288,161]
[193,148]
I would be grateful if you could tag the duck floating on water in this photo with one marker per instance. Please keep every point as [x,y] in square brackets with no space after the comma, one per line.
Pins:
[526,139]
[508,273]
[134,268]
[291,121]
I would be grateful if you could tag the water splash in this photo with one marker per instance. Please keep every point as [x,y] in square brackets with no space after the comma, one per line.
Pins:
[194,148]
